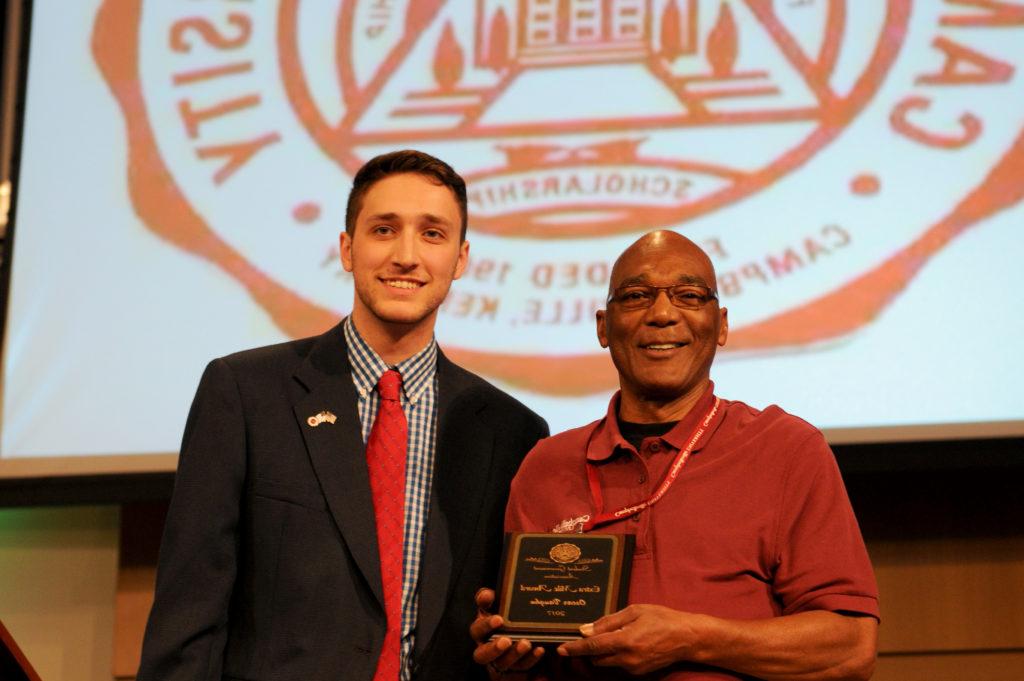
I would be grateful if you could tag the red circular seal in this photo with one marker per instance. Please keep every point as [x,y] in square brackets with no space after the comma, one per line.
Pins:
[782,137]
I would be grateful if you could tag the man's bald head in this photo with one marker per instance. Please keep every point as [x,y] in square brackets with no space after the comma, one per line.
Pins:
[654,245]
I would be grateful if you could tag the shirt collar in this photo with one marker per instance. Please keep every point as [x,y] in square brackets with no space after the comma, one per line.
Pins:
[607,438]
[417,371]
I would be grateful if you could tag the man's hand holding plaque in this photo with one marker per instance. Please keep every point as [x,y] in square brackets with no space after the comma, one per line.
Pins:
[501,654]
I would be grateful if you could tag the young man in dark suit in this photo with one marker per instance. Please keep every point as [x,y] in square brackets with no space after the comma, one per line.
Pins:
[339,499]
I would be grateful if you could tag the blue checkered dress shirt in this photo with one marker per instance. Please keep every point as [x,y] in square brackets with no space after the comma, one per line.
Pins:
[419,402]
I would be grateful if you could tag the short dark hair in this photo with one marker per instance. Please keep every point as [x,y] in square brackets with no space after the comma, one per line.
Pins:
[396,163]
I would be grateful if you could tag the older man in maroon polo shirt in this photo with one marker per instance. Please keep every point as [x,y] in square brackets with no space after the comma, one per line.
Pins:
[749,562]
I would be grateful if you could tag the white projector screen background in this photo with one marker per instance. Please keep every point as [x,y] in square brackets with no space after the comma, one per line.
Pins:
[854,169]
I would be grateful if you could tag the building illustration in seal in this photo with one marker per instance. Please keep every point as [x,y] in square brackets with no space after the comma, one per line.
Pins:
[572,31]
[677,61]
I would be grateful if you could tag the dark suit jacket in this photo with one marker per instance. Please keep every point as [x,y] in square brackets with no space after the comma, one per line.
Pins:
[269,566]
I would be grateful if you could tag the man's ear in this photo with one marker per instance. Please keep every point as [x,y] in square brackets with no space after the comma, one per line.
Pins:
[602,335]
[723,328]
[345,247]
[460,264]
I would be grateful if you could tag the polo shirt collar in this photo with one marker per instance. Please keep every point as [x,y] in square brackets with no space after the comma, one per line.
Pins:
[417,371]
[607,438]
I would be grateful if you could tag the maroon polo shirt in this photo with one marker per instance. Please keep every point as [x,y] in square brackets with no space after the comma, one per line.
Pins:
[756,525]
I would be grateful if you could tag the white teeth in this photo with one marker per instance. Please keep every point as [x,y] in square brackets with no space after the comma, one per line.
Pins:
[400,283]
[662,346]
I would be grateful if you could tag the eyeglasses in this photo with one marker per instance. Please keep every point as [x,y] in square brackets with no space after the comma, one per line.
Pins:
[639,297]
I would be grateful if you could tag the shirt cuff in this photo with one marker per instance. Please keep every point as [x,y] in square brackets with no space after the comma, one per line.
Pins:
[864,605]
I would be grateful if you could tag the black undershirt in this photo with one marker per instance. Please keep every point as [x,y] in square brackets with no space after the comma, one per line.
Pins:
[635,433]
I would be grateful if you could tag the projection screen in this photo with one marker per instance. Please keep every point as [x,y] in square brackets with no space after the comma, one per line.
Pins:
[854,169]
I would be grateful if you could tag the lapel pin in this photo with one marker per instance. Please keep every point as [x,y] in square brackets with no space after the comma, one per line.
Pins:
[323,416]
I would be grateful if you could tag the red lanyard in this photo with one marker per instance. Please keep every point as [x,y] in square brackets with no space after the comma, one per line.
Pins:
[670,477]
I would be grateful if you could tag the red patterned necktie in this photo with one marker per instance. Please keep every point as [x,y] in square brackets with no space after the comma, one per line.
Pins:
[385,458]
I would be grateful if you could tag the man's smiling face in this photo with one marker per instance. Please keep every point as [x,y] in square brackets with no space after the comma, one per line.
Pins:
[404,251]
[663,352]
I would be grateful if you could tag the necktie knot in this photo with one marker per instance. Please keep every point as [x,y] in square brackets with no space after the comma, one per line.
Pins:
[389,385]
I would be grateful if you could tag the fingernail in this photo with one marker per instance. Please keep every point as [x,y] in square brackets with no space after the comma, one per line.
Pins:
[587,629]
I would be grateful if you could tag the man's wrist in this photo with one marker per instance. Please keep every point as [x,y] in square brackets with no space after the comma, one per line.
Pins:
[703,635]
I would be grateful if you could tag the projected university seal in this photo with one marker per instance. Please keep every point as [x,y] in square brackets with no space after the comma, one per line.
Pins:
[786,138]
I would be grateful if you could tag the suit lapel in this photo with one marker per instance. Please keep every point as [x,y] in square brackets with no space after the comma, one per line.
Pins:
[337,452]
[462,463]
